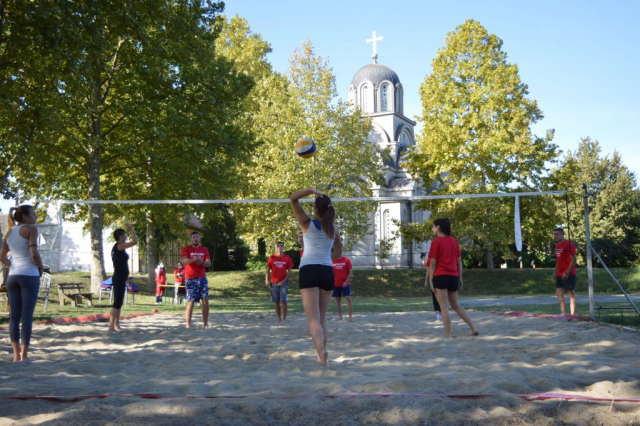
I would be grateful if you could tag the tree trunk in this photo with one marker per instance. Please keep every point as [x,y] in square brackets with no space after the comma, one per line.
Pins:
[152,253]
[489,259]
[95,210]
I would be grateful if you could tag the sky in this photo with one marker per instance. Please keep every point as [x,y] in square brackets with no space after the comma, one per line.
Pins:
[578,58]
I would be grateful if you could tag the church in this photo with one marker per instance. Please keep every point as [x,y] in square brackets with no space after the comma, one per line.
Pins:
[376,89]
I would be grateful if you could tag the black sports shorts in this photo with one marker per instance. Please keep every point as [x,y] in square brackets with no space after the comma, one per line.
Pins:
[446,282]
[317,276]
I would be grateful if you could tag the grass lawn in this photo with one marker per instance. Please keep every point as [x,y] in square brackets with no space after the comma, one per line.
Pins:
[374,291]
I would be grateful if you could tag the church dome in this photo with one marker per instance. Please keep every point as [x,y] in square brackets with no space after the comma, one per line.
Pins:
[375,73]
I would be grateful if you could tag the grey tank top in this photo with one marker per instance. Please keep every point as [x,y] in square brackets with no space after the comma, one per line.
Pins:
[317,246]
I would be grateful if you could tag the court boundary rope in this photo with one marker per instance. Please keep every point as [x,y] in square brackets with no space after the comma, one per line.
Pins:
[531,397]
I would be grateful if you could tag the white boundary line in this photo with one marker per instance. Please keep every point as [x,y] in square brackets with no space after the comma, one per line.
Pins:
[286,200]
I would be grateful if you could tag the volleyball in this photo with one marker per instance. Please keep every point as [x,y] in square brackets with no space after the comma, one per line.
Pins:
[305,147]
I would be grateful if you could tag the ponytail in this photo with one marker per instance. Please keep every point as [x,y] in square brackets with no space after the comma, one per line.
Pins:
[327,216]
[11,222]
[17,214]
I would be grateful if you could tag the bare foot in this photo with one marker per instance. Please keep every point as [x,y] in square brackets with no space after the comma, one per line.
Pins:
[188,325]
[475,332]
[350,319]
[324,358]
[114,330]
[118,329]
[205,326]
[17,359]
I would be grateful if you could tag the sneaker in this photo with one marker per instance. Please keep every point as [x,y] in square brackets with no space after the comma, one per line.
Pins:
[438,317]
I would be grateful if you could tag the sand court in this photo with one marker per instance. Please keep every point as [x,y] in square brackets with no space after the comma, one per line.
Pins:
[272,370]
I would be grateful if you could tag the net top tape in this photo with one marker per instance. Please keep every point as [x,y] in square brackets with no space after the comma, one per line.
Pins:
[286,200]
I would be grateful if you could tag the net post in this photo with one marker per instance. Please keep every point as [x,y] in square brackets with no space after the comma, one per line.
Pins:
[587,234]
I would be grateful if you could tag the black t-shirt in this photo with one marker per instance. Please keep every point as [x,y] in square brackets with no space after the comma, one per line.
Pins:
[120,261]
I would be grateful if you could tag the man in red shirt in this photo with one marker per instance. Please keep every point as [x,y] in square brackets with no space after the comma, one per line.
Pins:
[279,265]
[565,273]
[195,259]
[342,271]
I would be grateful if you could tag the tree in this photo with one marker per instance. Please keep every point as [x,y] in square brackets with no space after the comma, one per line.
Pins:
[286,108]
[477,138]
[614,202]
[142,110]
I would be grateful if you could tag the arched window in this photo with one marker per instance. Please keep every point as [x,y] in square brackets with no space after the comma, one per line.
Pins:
[364,97]
[352,97]
[384,97]
[386,224]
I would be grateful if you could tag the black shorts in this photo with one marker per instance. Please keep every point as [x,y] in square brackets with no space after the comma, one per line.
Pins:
[568,284]
[317,276]
[446,282]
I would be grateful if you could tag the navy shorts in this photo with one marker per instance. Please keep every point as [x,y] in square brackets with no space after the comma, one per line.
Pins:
[279,294]
[446,282]
[317,276]
[568,284]
[197,288]
[345,290]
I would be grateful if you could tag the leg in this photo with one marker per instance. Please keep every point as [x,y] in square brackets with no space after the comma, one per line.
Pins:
[189,313]
[560,294]
[339,306]
[311,303]
[442,296]
[325,300]
[349,307]
[205,313]
[436,305]
[284,290]
[277,305]
[14,293]
[29,300]
[118,289]
[572,301]
[462,313]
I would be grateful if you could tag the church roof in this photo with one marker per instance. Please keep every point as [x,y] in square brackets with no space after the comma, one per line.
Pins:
[375,73]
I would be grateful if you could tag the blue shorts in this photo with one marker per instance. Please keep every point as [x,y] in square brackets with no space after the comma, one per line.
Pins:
[345,290]
[279,294]
[197,288]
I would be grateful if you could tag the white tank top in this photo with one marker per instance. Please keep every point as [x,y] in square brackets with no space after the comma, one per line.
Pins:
[21,261]
[317,246]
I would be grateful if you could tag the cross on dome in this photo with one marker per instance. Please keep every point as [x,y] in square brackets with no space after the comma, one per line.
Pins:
[373,40]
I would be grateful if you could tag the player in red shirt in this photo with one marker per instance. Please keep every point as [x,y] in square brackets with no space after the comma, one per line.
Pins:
[445,273]
[161,279]
[565,273]
[279,266]
[195,259]
[178,274]
[342,270]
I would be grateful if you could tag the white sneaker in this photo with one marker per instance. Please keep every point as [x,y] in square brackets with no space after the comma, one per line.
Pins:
[438,317]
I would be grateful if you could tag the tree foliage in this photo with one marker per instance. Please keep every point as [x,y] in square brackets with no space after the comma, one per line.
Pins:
[284,109]
[477,138]
[139,107]
[614,202]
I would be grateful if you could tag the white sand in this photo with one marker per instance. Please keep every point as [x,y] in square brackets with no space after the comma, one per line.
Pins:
[249,354]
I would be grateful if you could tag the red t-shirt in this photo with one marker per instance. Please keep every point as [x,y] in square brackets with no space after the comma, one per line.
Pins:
[341,268]
[564,251]
[161,277]
[445,251]
[178,273]
[195,270]
[279,266]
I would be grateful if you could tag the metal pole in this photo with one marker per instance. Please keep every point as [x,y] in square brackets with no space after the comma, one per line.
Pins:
[587,235]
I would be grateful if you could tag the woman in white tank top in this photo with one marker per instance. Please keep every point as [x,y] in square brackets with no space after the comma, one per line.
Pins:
[23,281]
[316,269]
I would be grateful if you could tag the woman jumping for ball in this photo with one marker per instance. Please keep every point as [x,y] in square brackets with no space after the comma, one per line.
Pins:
[316,268]
[445,273]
